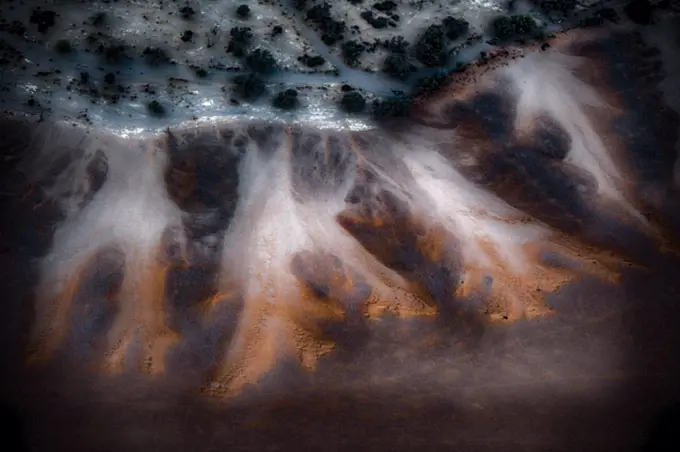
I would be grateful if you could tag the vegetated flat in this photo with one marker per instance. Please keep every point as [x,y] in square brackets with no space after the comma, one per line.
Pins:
[184,55]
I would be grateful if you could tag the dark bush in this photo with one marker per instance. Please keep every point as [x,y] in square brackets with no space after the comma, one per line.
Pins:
[240,39]
[351,52]
[516,27]
[397,44]
[430,84]
[377,22]
[113,52]
[187,12]
[430,48]
[63,46]
[395,107]
[332,30]
[155,56]
[319,13]
[386,6]
[312,61]
[43,19]
[353,102]
[398,66]
[286,100]
[241,34]
[639,11]
[555,6]
[187,35]
[455,28]
[600,17]
[248,86]
[98,19]
[261,61]
[156,108]
[243,11]
[16,28]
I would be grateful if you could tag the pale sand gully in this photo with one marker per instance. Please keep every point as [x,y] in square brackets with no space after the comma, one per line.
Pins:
[275,236]
[131,221]
[569,82]
[298,256]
